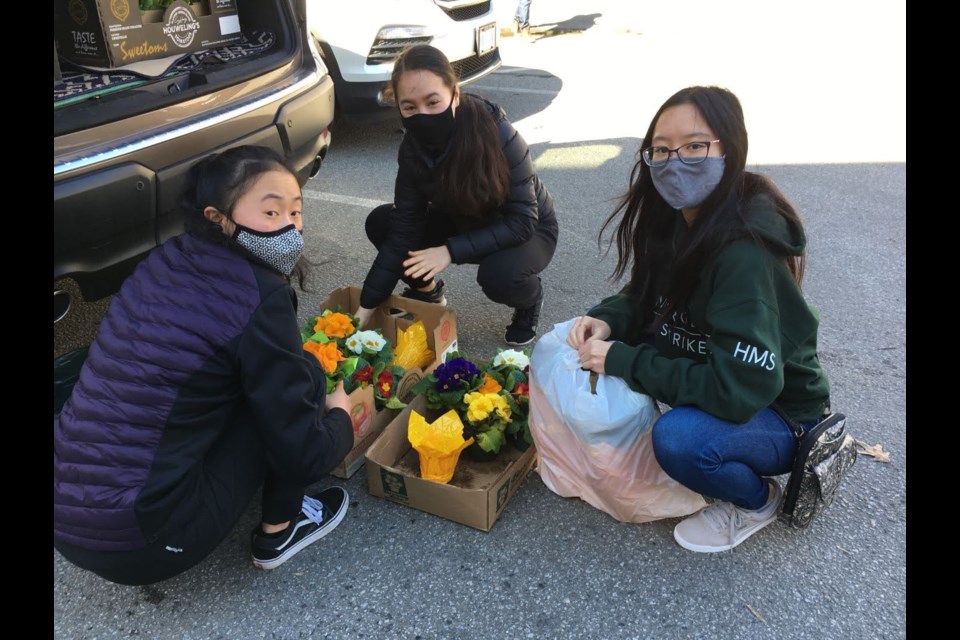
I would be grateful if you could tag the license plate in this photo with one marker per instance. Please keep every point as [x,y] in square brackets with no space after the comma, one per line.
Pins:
[486,38]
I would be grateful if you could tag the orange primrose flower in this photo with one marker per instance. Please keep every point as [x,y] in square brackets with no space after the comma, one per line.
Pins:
[327,354]
[335,325]
[489,385]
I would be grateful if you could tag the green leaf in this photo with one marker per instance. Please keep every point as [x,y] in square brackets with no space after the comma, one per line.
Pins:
[349,366]
[490,441]
[451,398]
[515,377]
[320,337]
[386,354]
[427,383]
[394,403]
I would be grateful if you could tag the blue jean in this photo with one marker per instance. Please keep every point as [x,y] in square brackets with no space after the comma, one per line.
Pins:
[523,13]
[721,459]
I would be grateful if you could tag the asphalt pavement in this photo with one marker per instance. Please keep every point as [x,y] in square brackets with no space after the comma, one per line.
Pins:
[581,90]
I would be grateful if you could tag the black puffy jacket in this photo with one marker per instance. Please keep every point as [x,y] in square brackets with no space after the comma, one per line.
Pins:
[527,206]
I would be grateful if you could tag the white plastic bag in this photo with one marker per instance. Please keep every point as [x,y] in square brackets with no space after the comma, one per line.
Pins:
[598,447]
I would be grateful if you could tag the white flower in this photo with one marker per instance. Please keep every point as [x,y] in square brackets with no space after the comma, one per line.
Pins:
[371,340]
[517,359]
[355,342]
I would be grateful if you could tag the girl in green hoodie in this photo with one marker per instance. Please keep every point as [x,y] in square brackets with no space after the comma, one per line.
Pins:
[712,322]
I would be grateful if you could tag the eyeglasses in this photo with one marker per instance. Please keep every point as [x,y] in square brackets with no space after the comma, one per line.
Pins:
[691,153]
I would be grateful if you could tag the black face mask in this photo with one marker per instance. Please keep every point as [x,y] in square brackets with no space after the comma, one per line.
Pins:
[431,130]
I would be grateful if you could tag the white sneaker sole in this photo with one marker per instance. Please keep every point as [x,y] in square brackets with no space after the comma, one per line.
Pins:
[267,565]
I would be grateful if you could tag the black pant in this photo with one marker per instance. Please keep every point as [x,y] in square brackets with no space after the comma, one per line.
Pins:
[509,277]
[227,481]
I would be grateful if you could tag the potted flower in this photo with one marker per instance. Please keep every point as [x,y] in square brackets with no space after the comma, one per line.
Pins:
[511,370]
[489,397]
[358,358]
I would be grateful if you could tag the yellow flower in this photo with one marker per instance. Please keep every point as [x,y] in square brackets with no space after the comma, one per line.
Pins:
[335,325]
[479,406]
[327,354]
[489,385]
[503,409]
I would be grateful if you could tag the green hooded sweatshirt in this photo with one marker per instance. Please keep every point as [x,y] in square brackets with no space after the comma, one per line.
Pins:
[746,340]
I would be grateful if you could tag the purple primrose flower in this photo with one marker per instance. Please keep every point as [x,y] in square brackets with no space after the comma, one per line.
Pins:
[450,374]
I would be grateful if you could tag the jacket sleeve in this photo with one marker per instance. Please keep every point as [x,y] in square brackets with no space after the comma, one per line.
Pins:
[285,389]
[519,213]
[743,371]
[622,312]
[406,233]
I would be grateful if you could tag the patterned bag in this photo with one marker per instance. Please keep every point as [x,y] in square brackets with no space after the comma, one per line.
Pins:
[825,454]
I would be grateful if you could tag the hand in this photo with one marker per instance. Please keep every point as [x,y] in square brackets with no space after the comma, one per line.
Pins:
[586,328]
[338,399]
[363,315]
[593,354]
[426,264]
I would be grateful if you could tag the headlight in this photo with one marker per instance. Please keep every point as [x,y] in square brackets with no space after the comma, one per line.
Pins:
[401,32]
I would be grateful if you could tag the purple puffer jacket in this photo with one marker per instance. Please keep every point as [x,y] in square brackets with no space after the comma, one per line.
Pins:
[196,334]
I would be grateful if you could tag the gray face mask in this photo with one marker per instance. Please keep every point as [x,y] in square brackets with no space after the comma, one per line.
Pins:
[280,249]
[685,186]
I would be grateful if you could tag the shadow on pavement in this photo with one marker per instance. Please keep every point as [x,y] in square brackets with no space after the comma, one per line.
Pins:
[576,24]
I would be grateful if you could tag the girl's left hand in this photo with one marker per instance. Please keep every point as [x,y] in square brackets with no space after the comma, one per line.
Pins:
[593,354]
[425,264]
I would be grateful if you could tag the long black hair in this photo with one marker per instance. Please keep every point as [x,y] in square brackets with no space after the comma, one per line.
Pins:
[644,235]
[475,177]
[219,181]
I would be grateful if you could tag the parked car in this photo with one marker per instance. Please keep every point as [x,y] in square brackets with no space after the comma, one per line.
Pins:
[122,143]
[361,41]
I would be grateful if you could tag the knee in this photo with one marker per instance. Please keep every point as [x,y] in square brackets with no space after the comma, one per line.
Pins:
[495,281]
[377,224]
[505,282]
[676,444]
[668,441]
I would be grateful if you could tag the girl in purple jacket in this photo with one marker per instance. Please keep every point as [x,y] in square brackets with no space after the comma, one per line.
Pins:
[197,392]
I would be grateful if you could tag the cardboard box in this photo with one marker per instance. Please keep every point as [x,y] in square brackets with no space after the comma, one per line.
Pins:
[399,313]
[114,33]
[475,496]
[368,424]
[441,325]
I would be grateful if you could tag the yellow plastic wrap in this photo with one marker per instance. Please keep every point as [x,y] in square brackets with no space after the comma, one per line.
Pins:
[439,444]
[412,350]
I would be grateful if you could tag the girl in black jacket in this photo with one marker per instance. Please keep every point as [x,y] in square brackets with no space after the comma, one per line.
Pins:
[466,192]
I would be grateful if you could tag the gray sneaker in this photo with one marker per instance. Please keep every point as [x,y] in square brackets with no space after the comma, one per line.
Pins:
[724,525]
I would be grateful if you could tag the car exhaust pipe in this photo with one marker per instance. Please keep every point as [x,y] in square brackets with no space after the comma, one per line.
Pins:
[62,300]
[317,162]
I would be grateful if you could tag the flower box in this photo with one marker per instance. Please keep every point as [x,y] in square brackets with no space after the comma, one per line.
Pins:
[114,33]
[441,327]
[368,424]
[475,496]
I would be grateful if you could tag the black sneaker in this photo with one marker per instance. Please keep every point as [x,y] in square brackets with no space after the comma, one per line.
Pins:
[435,297]
[318,516]
[522,329]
